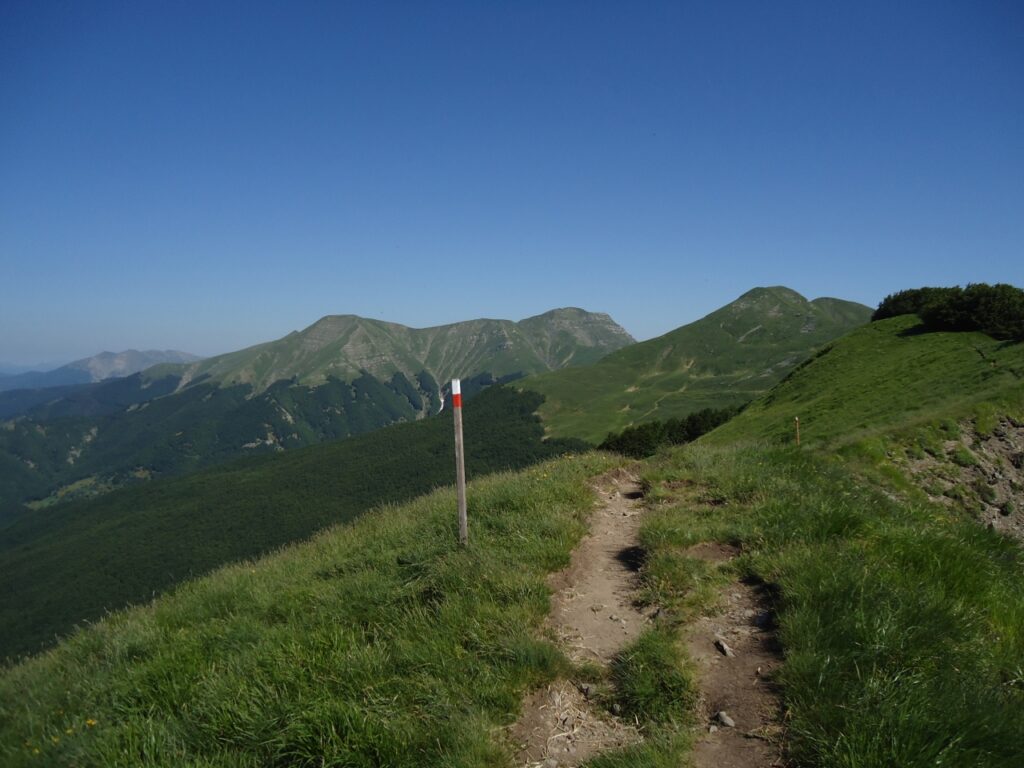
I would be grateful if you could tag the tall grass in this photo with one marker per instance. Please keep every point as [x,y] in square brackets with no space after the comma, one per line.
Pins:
[902,623]
[380,643]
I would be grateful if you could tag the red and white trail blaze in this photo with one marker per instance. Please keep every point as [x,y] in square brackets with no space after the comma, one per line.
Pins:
[456,393]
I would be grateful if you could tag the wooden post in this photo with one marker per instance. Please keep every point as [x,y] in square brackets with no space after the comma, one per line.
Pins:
[460,462]
[796,420]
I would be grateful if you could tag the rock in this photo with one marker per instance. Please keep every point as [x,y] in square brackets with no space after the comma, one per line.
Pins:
[725,720]
[585,689]
[713,729]
[722,646]
[614,617]
[616,708]
[551,763]
[749,613]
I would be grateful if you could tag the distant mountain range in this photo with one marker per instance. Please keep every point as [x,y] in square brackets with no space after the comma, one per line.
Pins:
[347,346]
[342,376]
[88,370]
[727,358]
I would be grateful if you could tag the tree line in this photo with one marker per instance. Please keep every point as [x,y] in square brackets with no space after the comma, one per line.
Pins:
[996,310]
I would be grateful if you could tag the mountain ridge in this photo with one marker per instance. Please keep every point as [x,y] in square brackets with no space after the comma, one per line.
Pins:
[724,359]
[341,376]
[346,345]
[96,368]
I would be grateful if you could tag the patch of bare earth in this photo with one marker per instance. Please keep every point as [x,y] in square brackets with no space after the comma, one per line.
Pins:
[991,485]
[736,652]
[592,617]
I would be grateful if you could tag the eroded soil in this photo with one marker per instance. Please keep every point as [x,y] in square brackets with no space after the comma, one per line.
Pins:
[592,617]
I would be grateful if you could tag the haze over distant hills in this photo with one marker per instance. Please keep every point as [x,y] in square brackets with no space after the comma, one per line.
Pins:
[88,370]
[726,358]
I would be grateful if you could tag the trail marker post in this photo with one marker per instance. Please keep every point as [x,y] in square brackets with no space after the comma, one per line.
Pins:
[460,462]
[796,420]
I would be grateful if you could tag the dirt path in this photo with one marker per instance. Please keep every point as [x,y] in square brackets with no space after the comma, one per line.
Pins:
[735,651]
[592,617]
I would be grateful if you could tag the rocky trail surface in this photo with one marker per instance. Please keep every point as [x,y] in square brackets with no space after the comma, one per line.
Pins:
[595,615]
[736,652]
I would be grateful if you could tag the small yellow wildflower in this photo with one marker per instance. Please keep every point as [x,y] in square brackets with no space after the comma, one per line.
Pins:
[55,739]
[35,750]
[90,722]
[69,731]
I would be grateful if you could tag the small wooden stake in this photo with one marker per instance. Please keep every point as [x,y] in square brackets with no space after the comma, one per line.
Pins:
[796,420]
[460,462]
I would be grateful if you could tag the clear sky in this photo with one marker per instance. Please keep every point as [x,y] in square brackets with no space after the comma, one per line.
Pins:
[209,175]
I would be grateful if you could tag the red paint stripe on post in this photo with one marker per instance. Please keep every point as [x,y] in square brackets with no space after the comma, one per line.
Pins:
[460,462]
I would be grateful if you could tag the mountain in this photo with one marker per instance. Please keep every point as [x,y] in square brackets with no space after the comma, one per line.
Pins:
[105,365]
[340,377]
[726,358]
[347,346]
[887,621]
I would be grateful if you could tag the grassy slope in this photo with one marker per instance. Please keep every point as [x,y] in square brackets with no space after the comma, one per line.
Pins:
[71,562]
[724,359]
[379,643]
[901,620]
[881,375]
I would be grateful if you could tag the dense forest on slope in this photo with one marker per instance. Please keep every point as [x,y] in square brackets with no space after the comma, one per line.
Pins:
[72,562]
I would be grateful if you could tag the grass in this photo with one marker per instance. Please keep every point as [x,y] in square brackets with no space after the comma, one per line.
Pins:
[883,374]
[72,562]
[723,360]
[902,623]
[379,643]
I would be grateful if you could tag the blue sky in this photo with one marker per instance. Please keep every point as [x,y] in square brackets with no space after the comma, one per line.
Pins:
[205,176]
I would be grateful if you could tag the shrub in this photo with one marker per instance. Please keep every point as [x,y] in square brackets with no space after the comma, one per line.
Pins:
[997,310]
[645,439]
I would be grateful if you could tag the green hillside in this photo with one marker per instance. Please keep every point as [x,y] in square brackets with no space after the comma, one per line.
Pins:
[382,643]
[881,374]
[724,359]
[379,643]
[342,376]
[72,562]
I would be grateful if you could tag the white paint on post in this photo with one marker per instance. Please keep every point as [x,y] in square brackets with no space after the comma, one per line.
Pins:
[460,461]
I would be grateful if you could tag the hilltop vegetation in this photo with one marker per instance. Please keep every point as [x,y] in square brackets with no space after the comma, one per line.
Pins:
[723,360]
[995,310]
[72,562]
